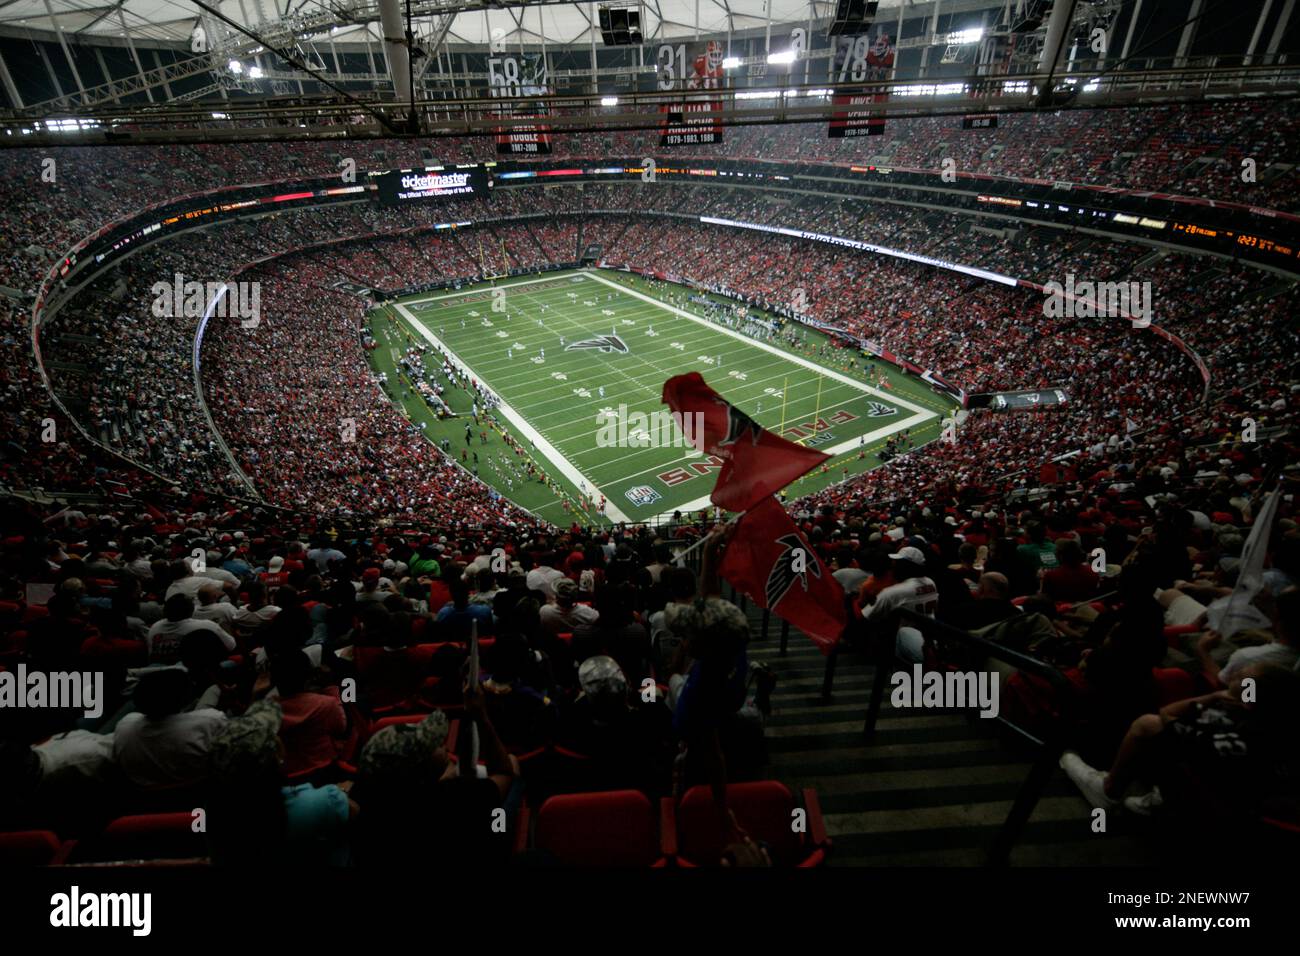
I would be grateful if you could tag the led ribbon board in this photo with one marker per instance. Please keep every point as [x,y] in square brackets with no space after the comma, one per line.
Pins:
[440,182]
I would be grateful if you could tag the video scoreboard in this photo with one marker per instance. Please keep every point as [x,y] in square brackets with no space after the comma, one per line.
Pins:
[399,186]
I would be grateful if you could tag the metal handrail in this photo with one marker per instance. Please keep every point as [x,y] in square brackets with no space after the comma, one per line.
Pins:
[1050,746]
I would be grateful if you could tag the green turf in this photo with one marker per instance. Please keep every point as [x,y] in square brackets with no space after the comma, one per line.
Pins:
[554,400]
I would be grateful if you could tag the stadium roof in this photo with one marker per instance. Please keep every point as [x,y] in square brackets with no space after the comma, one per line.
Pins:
[474,22]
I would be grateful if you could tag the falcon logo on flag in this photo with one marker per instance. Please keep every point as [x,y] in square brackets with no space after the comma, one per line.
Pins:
[761,560]
[739,424]
[783,575]
[751,470]
[604,343]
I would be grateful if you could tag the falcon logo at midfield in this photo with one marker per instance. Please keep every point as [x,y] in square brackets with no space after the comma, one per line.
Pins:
[605,343]
[783,574]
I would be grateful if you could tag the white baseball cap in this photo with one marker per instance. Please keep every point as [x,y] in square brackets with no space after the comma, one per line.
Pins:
[909,554]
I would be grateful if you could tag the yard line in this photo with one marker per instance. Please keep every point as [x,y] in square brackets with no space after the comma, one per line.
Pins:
[849,444]
[797,359]
[548,451]
[688,454]
[481,356]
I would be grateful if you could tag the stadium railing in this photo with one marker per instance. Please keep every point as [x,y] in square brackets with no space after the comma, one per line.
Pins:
[969,650]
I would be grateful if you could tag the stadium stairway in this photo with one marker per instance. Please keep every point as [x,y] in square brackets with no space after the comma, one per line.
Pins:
[932,788]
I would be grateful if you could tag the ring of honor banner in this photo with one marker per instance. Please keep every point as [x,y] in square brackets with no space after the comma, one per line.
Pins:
[521,76]
[678,128]
[1019,401]
[859,60]
[526,140]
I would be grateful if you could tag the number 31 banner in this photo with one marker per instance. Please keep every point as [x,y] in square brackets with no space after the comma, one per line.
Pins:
[859,60]
[681,125]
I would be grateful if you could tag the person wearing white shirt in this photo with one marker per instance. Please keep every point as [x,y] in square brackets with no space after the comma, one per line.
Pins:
[906,588]
[164,637]
[188,582]
[160,746]
[256,613]
[212,608]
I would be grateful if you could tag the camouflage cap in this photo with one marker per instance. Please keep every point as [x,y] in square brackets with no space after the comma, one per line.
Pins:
[601,675]
[404,747]
[246,745]
[708,623]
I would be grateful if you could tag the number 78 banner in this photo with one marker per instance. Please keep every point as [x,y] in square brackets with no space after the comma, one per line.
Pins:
[859,60]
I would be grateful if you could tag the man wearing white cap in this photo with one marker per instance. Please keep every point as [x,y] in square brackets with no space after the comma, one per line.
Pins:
[906,587]
[543,579]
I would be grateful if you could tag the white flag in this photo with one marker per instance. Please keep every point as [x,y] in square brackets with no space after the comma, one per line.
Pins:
[1237,611]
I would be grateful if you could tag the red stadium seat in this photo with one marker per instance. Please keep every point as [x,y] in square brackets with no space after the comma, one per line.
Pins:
[765,810]
[31,848]
[148,836]
[618,828]
[1174,632]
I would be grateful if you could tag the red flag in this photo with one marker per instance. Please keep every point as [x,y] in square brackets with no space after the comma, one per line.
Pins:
[771,562]
[756,464]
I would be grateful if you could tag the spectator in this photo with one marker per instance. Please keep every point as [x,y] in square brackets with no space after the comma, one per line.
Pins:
[164,638]
[566,614]
[162,745]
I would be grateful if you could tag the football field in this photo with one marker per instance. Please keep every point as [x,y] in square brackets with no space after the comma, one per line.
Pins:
[571,354]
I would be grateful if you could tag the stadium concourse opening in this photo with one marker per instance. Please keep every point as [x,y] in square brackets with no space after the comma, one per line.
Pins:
[650,435]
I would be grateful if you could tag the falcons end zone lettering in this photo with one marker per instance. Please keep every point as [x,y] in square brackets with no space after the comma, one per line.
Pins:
[769,560]
[756,463]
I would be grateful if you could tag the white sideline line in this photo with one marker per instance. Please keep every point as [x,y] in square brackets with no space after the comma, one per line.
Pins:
[759,344]
[575,476]
[920,414]
[479,289]
[548,451]
[848,445]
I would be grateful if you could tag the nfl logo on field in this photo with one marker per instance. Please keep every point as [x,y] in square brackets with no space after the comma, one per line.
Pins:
[642,495]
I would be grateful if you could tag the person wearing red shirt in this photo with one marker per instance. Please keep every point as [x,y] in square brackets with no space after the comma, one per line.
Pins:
[1072,579]
[314,725]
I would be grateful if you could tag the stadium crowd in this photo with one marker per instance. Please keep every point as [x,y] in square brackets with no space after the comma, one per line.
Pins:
[1193,149]
[252,647]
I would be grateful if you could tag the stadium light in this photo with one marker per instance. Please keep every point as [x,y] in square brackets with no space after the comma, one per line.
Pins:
[235,67]
[71,125]
[255,73]
[973,35]
[731,63]
[785,56]
[609,101]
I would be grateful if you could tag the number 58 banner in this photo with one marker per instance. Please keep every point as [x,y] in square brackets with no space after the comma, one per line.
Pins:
[517,78]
